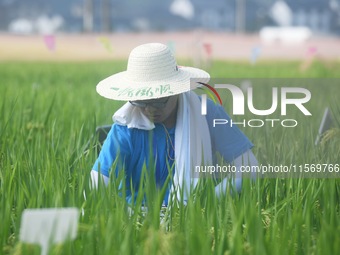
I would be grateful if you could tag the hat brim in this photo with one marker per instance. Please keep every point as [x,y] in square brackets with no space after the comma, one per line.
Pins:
[120,87]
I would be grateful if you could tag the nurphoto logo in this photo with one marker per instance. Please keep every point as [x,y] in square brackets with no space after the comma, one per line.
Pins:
[280,98]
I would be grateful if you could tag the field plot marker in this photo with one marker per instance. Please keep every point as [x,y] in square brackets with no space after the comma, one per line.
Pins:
[50,42]
[48,226]
[326,124]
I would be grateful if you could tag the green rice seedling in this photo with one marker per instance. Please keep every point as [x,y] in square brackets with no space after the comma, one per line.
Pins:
[49,112]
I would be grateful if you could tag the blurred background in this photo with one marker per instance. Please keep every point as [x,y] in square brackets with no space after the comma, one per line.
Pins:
[221,29]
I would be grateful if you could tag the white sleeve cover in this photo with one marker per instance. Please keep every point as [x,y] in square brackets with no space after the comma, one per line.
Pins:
[246,159]
[95,179]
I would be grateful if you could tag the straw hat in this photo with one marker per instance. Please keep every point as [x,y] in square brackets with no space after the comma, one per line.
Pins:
[152,72]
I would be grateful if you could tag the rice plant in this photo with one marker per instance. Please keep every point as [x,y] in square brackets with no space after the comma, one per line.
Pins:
[49,112]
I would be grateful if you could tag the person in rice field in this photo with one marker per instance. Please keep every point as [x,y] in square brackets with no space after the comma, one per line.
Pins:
[162,120]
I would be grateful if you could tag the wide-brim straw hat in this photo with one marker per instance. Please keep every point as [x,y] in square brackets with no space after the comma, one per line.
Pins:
[152,72]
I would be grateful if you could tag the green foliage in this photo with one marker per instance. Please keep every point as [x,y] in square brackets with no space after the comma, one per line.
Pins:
[49,111]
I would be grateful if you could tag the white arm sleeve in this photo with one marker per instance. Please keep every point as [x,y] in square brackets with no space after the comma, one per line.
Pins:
[94,184]
[95,179]
[246,159]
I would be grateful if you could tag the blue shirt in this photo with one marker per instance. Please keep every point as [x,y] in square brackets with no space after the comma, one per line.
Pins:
[131,147]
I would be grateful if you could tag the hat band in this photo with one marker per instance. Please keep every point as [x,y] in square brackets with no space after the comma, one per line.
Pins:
[146,91]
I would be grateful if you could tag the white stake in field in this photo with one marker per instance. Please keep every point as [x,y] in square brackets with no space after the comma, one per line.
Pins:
[48,226]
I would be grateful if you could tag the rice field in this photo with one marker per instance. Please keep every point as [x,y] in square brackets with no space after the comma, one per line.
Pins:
[49,112]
